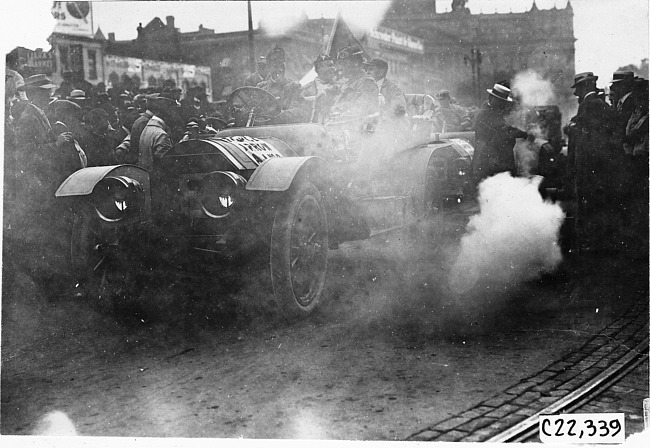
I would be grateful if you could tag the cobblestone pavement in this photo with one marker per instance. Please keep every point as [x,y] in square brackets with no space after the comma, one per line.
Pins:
[491,417]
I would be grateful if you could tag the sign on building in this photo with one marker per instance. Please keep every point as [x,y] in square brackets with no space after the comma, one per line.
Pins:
[73,18]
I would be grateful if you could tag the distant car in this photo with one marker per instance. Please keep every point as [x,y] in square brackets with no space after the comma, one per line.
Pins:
[285,194]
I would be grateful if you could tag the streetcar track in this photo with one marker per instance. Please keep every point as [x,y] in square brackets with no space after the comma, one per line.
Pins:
[528,428]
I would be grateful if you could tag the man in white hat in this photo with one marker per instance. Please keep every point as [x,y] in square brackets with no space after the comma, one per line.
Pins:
[495,140]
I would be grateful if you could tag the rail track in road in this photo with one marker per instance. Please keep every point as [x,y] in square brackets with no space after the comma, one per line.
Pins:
[572,384]
[576,401]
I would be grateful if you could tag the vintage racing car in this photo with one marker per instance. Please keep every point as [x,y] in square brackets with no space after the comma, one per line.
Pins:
[281,195]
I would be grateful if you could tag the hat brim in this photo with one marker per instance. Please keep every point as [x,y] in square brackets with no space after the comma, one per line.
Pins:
[508,99]
[34,87]
[582,81]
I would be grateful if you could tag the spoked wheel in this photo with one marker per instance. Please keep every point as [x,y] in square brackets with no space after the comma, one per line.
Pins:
[95,256]
[299,246]
[261,104]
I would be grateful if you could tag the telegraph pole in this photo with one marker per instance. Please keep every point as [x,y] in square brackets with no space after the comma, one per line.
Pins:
[251,43]
[475,62]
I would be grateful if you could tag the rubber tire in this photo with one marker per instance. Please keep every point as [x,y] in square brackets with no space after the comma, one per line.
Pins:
[302,212]
[108,285]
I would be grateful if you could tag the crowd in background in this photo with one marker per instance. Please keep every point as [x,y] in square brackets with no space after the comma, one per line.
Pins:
[51,131]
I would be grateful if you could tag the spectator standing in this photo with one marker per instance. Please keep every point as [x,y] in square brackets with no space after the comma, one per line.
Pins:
[596,162]
[155,140]
[495,140]
[98,140]
[623,103]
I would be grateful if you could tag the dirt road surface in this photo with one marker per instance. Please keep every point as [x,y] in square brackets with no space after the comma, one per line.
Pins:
[389,352]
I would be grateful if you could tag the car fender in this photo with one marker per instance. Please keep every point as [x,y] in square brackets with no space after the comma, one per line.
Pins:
[278,173]
[82,182]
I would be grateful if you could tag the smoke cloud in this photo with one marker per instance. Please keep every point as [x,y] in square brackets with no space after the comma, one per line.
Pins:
[532,90]
[513,239]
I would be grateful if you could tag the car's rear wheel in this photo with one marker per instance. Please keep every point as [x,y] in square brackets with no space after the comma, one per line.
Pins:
[299,251]
[103,273]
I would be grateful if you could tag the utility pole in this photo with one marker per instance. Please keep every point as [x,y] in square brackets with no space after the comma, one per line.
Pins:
[251,43]
[475,62]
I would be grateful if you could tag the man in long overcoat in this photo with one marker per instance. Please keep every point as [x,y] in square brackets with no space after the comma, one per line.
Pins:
[596,160]
[495,140]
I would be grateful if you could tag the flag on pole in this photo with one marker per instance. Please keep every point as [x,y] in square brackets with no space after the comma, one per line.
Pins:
[339,38]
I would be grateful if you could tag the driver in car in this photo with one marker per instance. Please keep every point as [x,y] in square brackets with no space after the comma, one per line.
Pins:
[288,93]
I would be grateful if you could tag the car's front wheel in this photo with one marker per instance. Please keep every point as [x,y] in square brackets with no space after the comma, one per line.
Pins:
[104,275]
[299,250]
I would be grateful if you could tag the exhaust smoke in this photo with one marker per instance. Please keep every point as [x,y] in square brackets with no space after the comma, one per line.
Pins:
[513,239]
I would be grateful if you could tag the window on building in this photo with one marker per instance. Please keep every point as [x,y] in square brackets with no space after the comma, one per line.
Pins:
[92,64]
[64,58]
[76,59]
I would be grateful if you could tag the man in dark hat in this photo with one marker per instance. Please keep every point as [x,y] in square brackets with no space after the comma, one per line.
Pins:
[98,140]
[391,98]
[450,117]
[623,103]
[260,75]
[359,97]
[595,163]
[322,91]
[44,157]
[155,140]
[495,140]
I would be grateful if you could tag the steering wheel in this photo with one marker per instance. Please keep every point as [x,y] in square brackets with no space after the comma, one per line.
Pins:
[258,104]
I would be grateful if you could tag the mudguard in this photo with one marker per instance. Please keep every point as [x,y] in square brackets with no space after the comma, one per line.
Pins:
[277,174]
[82,182]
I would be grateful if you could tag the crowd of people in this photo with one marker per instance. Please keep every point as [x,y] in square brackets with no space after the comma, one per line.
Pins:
[607,158]
[51,131]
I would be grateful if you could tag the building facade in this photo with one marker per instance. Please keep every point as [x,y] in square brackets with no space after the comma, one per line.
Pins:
[470,52]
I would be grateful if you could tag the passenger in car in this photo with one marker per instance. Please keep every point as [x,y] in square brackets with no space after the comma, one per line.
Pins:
[391,98]
[359,96]
[323,90]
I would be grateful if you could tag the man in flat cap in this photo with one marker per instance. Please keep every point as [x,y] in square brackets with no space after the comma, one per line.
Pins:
[495,140]
[595,163]
[322,91]
[258,76]
[450,117]
[288,92]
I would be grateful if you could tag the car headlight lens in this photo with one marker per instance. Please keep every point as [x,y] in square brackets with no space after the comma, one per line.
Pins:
[116,198]
[460,167]
[219,192]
